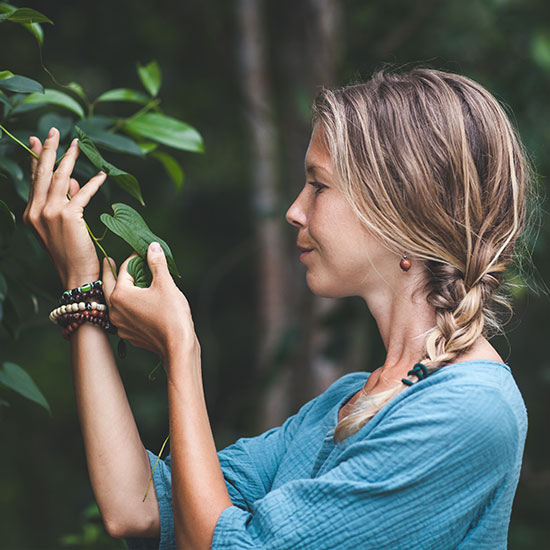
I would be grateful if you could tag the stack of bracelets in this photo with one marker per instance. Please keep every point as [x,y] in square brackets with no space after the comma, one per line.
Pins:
[80,305]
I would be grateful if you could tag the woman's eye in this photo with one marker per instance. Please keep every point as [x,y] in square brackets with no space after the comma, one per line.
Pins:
[318,186]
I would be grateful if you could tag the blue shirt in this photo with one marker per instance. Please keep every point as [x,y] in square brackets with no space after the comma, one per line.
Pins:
[436,468]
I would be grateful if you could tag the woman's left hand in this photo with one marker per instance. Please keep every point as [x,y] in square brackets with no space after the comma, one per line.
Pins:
[157,318]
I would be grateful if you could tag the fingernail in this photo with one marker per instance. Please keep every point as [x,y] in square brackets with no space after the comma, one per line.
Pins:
[101,173]
[31,139]
[74,142]
[52,132]
[155,248]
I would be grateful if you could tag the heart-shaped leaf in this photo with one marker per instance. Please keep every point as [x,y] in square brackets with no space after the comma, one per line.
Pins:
[151,77]
[15,378]
[166,130]
[124,180]
[130,226]
[139,270]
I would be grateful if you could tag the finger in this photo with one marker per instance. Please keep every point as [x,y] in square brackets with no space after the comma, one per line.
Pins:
[109,281]
[124,276]
[43,174]
[61,177]
[36,147]
[157,263]
[87,191]
[74,187]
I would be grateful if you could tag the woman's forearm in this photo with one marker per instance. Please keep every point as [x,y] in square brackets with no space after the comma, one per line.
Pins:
[199,493]
[117,461]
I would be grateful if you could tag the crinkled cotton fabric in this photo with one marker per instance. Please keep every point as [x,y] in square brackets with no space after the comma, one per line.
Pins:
[436,468]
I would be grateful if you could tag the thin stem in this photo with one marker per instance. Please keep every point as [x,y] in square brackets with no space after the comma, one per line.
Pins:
[155,467]
[18,141]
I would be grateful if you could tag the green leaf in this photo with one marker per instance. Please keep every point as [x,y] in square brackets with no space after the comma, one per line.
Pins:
[54,97]
[171,166]
[7,224]
[151,77]
[25,15]
[130,226]
[22,184]
[22,84]
[5,74]
[139,270]
[15,378]
[96,123]
[3,288]
[36,30]
[147,146]
[124,180]
[115,142]
[124,94]
[166,130]
[78,90]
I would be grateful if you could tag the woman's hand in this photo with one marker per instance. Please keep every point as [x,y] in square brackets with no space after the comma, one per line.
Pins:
[157,318]
[56,221]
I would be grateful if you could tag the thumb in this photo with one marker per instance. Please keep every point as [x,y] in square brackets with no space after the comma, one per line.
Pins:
[157,262]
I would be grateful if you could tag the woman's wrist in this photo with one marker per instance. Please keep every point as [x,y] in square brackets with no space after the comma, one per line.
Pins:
[76,280]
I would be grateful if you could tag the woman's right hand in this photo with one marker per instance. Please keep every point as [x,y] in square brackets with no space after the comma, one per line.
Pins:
[56,221]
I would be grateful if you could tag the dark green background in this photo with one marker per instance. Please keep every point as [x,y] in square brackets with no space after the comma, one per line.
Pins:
[504,44]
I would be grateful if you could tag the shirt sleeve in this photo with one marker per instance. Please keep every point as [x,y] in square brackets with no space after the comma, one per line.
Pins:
[415,482]
[249,466]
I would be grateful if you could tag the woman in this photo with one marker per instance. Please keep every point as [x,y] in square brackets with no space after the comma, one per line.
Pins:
[414,198]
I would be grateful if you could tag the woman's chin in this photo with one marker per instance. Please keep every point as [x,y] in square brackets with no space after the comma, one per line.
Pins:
[324,289]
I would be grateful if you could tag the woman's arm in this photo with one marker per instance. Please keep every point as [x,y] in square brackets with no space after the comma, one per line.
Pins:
[159,319]
[117,462]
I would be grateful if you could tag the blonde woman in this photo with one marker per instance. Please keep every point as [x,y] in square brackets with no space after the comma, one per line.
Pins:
[414,198]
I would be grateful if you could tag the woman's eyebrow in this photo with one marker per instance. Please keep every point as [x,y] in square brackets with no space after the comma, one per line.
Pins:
[313,168]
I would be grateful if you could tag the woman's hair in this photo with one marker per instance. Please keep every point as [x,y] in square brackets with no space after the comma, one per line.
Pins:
[431,165]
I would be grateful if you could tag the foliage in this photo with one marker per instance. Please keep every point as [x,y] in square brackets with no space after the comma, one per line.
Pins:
[138,134]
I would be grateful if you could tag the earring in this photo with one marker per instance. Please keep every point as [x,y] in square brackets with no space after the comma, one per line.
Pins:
[405,263]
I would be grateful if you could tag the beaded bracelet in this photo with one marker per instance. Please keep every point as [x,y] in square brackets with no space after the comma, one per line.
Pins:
[85,303]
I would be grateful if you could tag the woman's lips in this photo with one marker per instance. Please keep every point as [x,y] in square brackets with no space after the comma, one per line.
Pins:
[304,251]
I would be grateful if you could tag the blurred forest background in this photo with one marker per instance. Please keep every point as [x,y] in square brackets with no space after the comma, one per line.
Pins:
[244,73]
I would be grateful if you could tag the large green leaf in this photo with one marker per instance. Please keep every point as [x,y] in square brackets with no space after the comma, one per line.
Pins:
[22,84]
[96,123]
[115,142]
[124,94]
[124,180]
[7,224]
[54,97]
[24,15]
[139,270]
[22,185]
[151,77]
[166,130]
[15,378]
[173,169]
[34,28]
[130,226]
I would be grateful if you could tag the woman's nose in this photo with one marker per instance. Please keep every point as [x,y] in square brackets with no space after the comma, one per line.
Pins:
[296,215]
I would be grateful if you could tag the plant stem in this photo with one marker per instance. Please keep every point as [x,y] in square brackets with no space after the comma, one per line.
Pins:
[155,466]
[18,141]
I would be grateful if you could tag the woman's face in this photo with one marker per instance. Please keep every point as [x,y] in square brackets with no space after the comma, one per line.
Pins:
[341,257]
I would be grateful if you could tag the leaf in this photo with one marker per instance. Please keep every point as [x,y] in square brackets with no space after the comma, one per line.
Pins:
[78,90]
[22,185]
[63,123]
[15,378]
[3,288]
[124,180]
[147,146]
[5,74]
[115,142]
[22,84]
[130,226]
[151,77]
[54,97]
[124,94]
[166,130]
[25,15]
[171,166]
[7,224]
[139,270]
[95,123]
